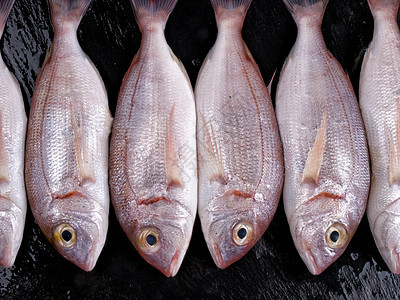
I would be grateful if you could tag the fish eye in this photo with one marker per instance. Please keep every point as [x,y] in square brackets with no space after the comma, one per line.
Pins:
[242,233]
[149,239]
[65,235]
[336,236]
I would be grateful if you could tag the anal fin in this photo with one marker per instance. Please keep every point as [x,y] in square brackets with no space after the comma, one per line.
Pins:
[316,154]
[82,155]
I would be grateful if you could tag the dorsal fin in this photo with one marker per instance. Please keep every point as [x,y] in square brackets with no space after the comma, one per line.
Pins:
[269,87]
[82,155]
[316,154]
[4,172]
[394,159]
[173,171]
[215,164]
[180,64]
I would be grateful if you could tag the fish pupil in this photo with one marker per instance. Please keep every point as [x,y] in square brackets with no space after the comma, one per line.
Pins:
[334,236]
[242,232]
[151,239]
[66,235]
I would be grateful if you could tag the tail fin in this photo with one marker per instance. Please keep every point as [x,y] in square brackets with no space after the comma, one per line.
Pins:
[5,7]
[307,8]
[391,5]
[230,8]
[149,11]
[72,10]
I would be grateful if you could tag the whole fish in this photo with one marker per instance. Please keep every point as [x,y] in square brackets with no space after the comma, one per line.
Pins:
[380,106]
[67,144]
[153,167]
[240,152]
[12,149]
[326,157]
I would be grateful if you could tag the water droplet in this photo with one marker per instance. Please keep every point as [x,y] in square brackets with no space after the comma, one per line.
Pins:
[196,62]
[354,256]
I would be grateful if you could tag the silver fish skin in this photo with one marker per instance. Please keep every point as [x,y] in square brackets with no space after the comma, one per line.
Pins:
[153,164]
[380,107]
[325,150]
[239,148]
[67,144]
[12,149]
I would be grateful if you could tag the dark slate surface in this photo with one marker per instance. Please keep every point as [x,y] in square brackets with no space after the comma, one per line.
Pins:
[272,269]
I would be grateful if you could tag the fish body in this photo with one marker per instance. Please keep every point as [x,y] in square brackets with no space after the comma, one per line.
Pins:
[380,107]
[326,157]
[153,164]
[239,149]
[67,144]
[12,148]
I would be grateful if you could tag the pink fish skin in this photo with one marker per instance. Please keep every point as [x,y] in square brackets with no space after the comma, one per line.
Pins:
[153,164]
[67,144]
[327,172]
[380,107]
[239,149]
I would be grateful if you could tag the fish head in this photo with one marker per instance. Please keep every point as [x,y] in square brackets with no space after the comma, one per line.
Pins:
[386,230]
[161,233]
[321,229]
[233,224]
[77,227]
[12,220]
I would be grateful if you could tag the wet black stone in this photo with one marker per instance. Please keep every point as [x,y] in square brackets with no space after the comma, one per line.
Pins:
[272,269]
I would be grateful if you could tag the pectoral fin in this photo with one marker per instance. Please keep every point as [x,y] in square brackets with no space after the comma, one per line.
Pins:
[173,171]
[215,163]
[394,159]
[316,154]
[83,158]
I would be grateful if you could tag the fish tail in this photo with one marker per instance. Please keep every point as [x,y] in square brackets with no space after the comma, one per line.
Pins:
[150,11]
[5,7]
[307,8]
[391,5]
[228,9]
[68,10]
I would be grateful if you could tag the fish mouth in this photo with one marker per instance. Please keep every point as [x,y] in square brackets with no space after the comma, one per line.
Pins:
[311,263]
[173,266]
[11,217]
[90,262]
[7,259]
[219,261]
[394,265]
